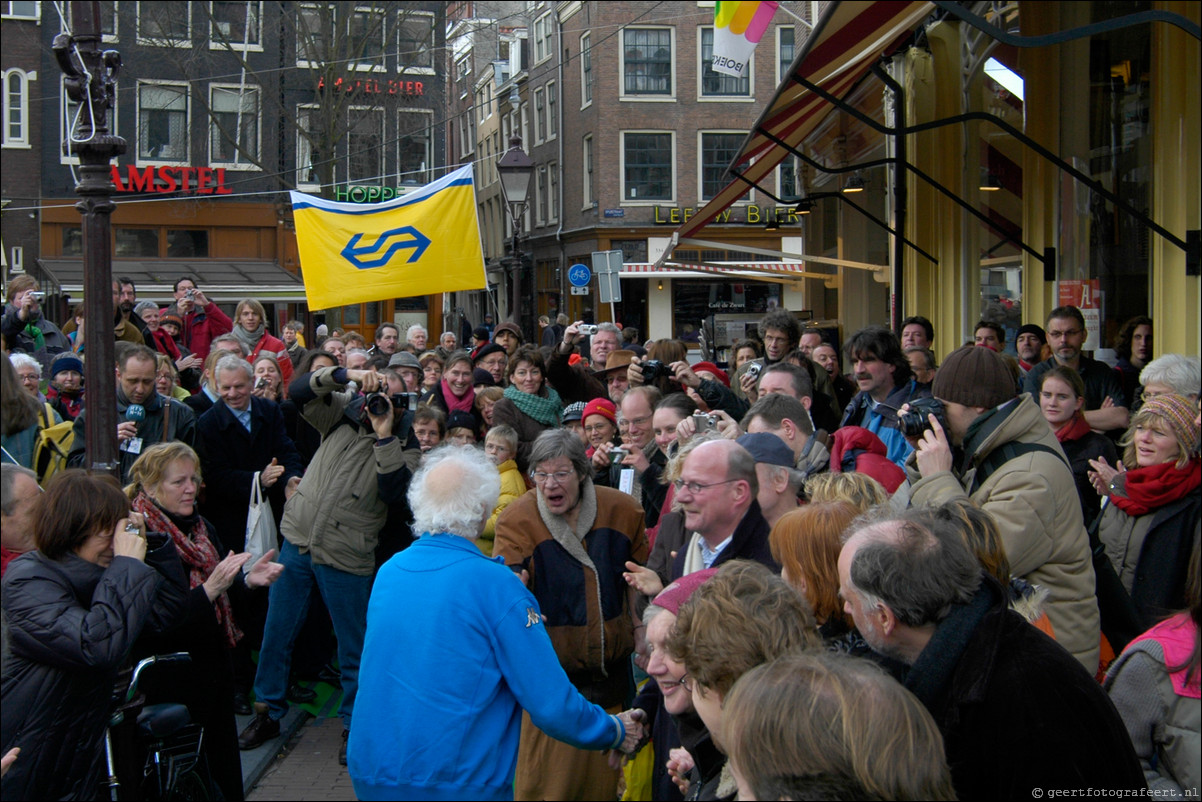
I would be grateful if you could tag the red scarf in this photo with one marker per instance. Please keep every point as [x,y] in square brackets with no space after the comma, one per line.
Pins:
[198,554]
[1075,429]
[164,344]
[456,403]
[1155,486]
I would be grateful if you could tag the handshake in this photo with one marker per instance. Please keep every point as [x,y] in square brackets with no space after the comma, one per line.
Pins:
[636,732]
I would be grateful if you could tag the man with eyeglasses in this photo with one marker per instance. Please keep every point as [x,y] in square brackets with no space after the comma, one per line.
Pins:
[717,492]
[1105,404]
[572,539]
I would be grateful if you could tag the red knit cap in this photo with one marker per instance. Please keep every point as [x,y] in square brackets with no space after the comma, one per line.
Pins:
[603,407]
[673,597]
[710,367]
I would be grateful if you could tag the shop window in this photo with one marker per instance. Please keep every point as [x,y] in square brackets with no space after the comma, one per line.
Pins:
[365,152]
[694,301]
[236,24]
[163,122]
[416,46]
[165,23]
[72,241]
[234,118]
[136,242]
[717,152]
[186,243]
[647,166]
[647,61]
[717,84]
[634,251]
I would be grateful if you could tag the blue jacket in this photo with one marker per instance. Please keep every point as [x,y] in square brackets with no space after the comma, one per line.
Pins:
[881,419]
[455,649]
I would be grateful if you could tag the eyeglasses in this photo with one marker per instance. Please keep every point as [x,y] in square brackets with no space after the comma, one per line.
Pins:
[686,683]
[643,421]
[598,428]
[560,477]
[1059,335]
[697,487]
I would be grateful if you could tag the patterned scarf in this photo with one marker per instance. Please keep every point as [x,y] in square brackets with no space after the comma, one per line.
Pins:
[198,553]
[544,409]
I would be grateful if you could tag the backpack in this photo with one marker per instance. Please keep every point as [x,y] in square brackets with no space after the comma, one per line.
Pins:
[52,444]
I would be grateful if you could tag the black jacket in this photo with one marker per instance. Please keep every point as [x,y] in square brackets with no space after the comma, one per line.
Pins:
[749,542]
[70,625]
[229,457]
[1016,710]
[155,428]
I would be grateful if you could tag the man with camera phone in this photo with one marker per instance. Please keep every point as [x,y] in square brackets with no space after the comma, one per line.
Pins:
[1007,462]
[330,527]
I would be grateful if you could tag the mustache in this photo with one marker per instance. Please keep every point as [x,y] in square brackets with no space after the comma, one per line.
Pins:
[863,376]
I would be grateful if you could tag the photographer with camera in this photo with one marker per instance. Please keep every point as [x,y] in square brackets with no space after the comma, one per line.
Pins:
[26,328]
[331,525]
[575,382]
[996,449]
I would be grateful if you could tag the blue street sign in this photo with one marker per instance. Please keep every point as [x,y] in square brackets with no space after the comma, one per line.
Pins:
[579,275]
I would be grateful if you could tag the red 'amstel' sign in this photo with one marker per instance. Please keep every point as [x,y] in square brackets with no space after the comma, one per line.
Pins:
[200,180]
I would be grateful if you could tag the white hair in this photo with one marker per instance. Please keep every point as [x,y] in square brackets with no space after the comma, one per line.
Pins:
[454,492]
[231,362]
[1180,372]
[25,360]
[416,327]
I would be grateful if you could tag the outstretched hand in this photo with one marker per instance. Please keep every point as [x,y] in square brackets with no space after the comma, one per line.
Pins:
[642,579]
[265,571]
[632,720]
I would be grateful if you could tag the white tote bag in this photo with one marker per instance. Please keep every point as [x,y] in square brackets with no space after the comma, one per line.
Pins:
[260,525]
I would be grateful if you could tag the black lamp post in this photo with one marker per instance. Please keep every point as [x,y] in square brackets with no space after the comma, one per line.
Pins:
[516,169]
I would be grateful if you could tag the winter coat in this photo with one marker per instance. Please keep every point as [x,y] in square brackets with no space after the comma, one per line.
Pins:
[1017,712]
[1034,502]
[1079,453]
[871,460]
[512,486]
[342,502]
[54,341]
[882,419]
[273,346]
[157,427]
[528,429]
[70,625]
[1151,553]
[748,542]
[229,457]
[202,327]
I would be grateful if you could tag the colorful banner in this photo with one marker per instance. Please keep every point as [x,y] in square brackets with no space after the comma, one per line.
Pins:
[738,28]
[425,242]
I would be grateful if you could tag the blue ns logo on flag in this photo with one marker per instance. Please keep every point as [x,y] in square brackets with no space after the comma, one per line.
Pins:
[387,244]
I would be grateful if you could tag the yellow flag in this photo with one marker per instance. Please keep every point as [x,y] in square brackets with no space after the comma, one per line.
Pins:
[425,242]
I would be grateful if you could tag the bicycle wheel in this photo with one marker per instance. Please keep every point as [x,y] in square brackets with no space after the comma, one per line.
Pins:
[191,787]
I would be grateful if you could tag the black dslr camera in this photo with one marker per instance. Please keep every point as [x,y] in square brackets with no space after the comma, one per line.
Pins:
[379,403]
[915,422]
[653,369]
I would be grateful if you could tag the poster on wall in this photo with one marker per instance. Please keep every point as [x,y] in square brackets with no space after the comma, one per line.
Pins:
[1086,296]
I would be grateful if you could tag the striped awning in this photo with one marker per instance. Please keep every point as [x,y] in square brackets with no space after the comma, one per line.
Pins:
[790,270]
[848,39]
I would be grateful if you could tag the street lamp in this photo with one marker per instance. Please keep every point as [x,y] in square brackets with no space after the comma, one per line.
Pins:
[516,168]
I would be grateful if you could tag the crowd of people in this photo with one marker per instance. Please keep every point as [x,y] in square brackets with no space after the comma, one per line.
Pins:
[590,567]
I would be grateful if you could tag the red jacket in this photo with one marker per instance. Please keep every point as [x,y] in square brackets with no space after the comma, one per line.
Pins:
[872,460]
[201,328]
[274,347]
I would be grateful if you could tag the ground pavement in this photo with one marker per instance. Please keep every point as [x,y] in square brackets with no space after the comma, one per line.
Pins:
[302,764]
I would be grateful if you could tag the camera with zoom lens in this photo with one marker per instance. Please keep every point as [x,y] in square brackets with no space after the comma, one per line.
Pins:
[379,403]
[654,369]
[914,422]
[754,368]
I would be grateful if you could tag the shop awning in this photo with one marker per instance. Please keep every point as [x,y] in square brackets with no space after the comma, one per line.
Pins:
[223,282]
[849,38]
[760,270]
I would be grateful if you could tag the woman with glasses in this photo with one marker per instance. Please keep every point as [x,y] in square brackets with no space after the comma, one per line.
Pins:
[570,540]
[530,405]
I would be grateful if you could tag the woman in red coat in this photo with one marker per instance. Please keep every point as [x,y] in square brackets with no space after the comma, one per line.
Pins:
[251,331]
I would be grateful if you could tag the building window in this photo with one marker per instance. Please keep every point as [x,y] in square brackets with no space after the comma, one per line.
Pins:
[525,122]
[136,242]
[365,145]
[647,61]
[718,150]
[715,84]
[414,147]
[539,110]
[553,192]
[467,139]
[185,243]
[234,125]
[314,30]
[306,126]
[463,68]
[647,166]
[108,19]
[166,23]
[236,24]
[16,10]
[16,108]
[634,251]
[586,70]
[542,38]
[785,50]
[416,46]
[163,122]
[590,199]
[366,31]
[789,181]
[540,193]
[69,122]
[552,111]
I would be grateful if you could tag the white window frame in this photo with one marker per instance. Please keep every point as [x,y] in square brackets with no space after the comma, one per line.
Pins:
[382,14]
[553,192]
[704,98]
[216,44]
[622,167]
[542,38]
[20,142]
[303,147]
[540,198]
[670,97]
[780,29]
[588,168]
[586,70]
[525,121]
[240,165]
[742,201]
[552,128]
[187,159]
[182,43]
[383,164]
[540,123]
[301,61]
[37,13]
[467,143]
[407,15]
[428,127]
